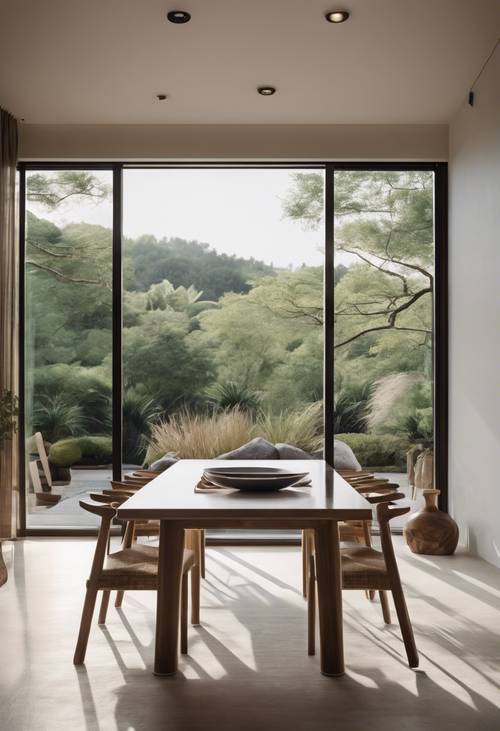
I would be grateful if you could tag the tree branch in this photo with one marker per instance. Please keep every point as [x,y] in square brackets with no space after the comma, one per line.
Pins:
[389,260]
[392,318]
[382,327]
[60,276]
[48,251]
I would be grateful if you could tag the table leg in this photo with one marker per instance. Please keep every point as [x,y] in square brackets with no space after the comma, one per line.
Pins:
[329,579]
[169,588]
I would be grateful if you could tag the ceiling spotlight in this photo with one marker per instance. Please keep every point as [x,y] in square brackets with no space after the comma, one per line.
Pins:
[179,16]
[266,90]
[337,16]
[161,97]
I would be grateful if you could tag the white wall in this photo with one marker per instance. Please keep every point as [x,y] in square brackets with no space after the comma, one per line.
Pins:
[475,317]
[237,142]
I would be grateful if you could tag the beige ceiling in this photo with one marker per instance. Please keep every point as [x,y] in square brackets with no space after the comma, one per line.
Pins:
[102,61]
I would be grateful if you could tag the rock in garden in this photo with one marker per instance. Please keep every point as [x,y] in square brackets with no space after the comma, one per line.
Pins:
[258,448]
[164,462]
[288,451]
[343,457]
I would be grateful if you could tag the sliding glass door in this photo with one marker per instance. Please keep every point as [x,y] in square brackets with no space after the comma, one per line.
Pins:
[187,310]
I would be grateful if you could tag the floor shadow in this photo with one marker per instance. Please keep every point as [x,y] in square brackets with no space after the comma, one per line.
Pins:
[248,667]
[270,701]
[264,574]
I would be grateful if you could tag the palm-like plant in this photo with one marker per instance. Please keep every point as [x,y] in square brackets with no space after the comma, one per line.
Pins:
[350,409]
[139,415]
[232,395]
[55,418]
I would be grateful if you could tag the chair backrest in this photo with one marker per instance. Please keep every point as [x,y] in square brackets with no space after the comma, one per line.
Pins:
[382,496]
[125,486]
[385,512]
[40,446]
[106,513]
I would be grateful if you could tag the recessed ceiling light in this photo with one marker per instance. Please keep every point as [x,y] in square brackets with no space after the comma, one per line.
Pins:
[179,16]
[161,97]
[337,16]
[266,90]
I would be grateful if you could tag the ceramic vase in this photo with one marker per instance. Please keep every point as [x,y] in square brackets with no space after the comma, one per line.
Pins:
[431,531]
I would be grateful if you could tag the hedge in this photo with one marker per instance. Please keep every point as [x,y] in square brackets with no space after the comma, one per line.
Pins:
[377,450]
[82,451]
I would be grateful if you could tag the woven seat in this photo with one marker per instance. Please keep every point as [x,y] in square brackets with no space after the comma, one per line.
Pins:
[363,568]
[136,568]
[374,490]
[140,560]
[131,484]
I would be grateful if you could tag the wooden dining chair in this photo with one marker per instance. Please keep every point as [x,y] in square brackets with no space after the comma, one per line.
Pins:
[194,540]
[352,531]
[133,567]
[364,567]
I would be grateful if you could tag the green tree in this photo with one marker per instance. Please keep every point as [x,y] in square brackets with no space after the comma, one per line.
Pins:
[383,220]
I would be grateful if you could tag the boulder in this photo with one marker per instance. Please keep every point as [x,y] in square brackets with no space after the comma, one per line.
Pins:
[343,457]
[164,462]
[288,451]
[258,448]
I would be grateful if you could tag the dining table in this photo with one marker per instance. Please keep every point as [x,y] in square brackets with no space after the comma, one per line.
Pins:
[173,499]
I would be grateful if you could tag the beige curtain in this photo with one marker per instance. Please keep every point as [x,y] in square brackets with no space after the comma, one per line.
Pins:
[8,315]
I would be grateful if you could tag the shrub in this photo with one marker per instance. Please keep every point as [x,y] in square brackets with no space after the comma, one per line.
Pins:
[65,453]
[90,388]
[301,428]
[91,450]
[419,424]
[55,418]
[199,436]
[374,450]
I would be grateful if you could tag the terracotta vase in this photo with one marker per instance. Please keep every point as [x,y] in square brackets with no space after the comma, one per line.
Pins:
[431,531]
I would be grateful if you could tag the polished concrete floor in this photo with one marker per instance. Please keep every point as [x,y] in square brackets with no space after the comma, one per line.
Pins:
[247,667]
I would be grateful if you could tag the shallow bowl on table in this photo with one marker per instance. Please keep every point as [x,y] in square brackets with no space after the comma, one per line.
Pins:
[250,471]
[255,481]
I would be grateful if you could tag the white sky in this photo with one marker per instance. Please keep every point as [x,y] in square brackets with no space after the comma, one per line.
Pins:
[235,211]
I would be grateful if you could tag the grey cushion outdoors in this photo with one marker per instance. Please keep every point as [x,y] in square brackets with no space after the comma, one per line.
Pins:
[288,451]
[343,457]
[164,462]
[258,448]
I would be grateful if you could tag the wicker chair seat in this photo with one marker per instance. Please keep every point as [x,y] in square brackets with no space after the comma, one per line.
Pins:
[136,568]
[363,568]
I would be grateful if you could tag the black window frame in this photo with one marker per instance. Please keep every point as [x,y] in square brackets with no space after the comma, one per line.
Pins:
[440,301]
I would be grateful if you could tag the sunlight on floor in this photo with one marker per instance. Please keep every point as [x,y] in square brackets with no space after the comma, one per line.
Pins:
[247,664]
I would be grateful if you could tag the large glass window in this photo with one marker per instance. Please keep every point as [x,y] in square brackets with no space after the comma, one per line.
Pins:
[68,342]
[383,321]
[222,320]
[222,313]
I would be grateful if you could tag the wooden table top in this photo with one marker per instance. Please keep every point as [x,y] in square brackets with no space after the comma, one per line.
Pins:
[172,496]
